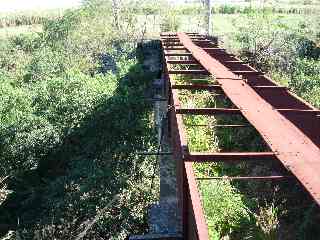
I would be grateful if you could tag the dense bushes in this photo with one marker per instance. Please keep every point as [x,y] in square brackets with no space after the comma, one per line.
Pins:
[305,80]
[72,116]
[51,80]
[287,52]
[232,209]
[45,95]
[196,9]
[225,209]
[27,18]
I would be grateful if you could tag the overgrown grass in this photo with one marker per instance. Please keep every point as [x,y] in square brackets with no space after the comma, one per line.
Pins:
[15,19]
[72,117]
[14,31]
[285,48]
[238,209]
[252,6]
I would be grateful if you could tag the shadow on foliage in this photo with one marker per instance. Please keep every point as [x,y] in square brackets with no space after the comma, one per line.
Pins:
[89,168]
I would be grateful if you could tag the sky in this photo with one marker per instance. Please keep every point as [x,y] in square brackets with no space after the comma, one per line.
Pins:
[20,5]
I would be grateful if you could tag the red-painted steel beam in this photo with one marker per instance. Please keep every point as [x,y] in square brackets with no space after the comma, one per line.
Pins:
[192,72]
[298,111]
[255,178]
[174,48]
[166,40]
[294,149]
[203,40]
[183,62]
[219,125]
[171,45]
[193,220]
[235,65]
[175,38]
[208,87]
[229,156]
[235,62]
[255,73]
[207,111]
[166,53]
[216,87]
[272,88]
[214,49]
[197,210]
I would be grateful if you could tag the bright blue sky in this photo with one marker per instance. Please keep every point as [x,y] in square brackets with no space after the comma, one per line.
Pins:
[17,5]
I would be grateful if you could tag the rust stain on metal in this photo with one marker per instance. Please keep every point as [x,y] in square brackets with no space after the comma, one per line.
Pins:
[293,146]
[289,125]
[197,210]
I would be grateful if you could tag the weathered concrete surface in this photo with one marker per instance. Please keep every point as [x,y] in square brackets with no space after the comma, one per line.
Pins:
[164,218]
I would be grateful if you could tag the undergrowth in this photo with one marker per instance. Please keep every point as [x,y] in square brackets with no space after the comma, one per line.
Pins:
[239,209]
[72,118]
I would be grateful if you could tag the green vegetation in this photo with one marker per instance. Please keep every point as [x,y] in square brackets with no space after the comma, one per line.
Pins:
[229,210]
[287,51]
[253,8]
[303,7]
[73,116]
[225,209]
[9,32]
[16,19]
[287,48]
[242,209]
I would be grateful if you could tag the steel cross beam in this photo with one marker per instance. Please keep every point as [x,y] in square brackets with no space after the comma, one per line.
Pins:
[255,178]
[229,156]
[189,200]
[298,117]
[294,149]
